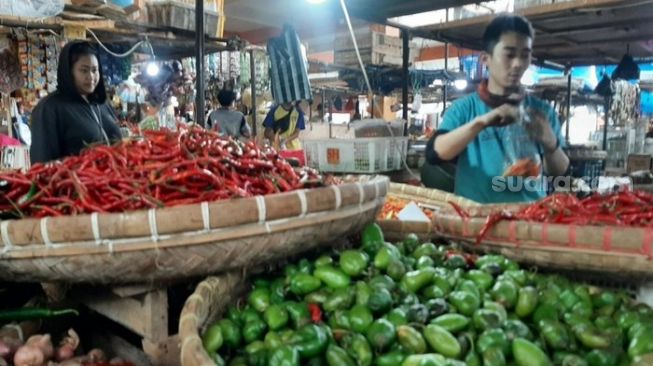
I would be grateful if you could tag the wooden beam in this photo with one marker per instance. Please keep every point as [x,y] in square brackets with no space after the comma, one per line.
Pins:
[393,8]
[46,23]
[148,317]
[92,24]
[558,47]
[531,12]
[629,23]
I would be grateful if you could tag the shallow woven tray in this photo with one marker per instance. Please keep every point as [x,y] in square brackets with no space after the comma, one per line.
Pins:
[186,241]
[210,300]
[621,252]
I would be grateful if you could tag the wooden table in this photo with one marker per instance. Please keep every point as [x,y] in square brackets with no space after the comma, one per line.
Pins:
[143,310]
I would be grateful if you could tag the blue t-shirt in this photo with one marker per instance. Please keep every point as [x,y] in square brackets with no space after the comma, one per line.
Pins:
[480,167]
[269,119]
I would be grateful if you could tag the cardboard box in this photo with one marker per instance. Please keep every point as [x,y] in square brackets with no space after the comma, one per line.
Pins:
[638,162]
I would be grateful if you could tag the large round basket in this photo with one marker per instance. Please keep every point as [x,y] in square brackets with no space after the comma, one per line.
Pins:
[162,245]
[206,305]
[397,230]
[430,196]
[617,251]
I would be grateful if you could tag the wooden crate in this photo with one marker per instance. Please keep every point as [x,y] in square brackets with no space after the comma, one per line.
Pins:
[368,39]
[637,162]
[178,15]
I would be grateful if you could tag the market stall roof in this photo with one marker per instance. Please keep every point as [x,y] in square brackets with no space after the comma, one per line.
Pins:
[381,10]
[571,33]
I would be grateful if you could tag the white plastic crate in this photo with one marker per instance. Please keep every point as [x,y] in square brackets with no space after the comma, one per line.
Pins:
[367,155]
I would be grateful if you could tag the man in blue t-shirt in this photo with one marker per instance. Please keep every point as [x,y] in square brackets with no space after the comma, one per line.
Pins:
[479,130]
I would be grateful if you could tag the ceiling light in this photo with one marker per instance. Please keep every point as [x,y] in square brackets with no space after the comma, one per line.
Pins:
[152,69]
[316,1]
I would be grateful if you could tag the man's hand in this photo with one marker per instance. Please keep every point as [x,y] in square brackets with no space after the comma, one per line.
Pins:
[540,130]
[501,116]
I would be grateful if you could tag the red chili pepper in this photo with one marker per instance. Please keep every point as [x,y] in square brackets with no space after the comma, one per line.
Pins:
[162,169]
[461,211]
[491,221]
[316,313]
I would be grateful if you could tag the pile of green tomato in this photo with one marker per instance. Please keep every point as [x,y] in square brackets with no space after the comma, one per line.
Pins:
[418,304]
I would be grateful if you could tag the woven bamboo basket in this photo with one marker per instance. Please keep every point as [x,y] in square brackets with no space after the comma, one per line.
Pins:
[394,230]
[620,252]
[161,245]
[430,196]
[207,304]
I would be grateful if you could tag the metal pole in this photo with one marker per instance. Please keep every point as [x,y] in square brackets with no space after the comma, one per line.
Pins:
[446,69]
[406,76]
[605,123]
[445,89]
[330,115]
[568,107]
[324,106]
[358,54]
[199,64]
[353,39]
[252,66]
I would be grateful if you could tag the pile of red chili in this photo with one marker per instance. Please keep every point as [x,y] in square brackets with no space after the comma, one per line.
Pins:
[161,169]
[627,208]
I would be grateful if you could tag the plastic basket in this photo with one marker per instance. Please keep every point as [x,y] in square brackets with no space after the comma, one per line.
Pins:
[368,155]
[587,164]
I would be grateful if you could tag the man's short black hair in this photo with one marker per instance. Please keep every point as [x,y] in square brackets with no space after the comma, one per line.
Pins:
[226,97]
[504,24]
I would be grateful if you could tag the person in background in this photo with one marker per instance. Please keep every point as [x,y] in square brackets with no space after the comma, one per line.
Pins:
[226,120]
[77,114]
[187,113]
[283,125]
[472,129]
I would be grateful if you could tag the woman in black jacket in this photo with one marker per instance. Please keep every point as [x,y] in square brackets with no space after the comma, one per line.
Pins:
[77,114]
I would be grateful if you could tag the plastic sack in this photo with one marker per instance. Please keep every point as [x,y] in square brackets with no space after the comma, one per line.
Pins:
[522,153]
[31,8]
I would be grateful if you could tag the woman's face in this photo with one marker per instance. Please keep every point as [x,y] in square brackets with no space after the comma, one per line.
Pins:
[86,73]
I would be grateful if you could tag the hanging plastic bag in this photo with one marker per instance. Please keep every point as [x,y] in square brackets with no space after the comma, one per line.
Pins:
[31,8]
[522,153]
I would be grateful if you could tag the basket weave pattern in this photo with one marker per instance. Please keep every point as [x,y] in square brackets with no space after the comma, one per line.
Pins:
[209,301]
[620,251]
[185,241]
[397,229]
